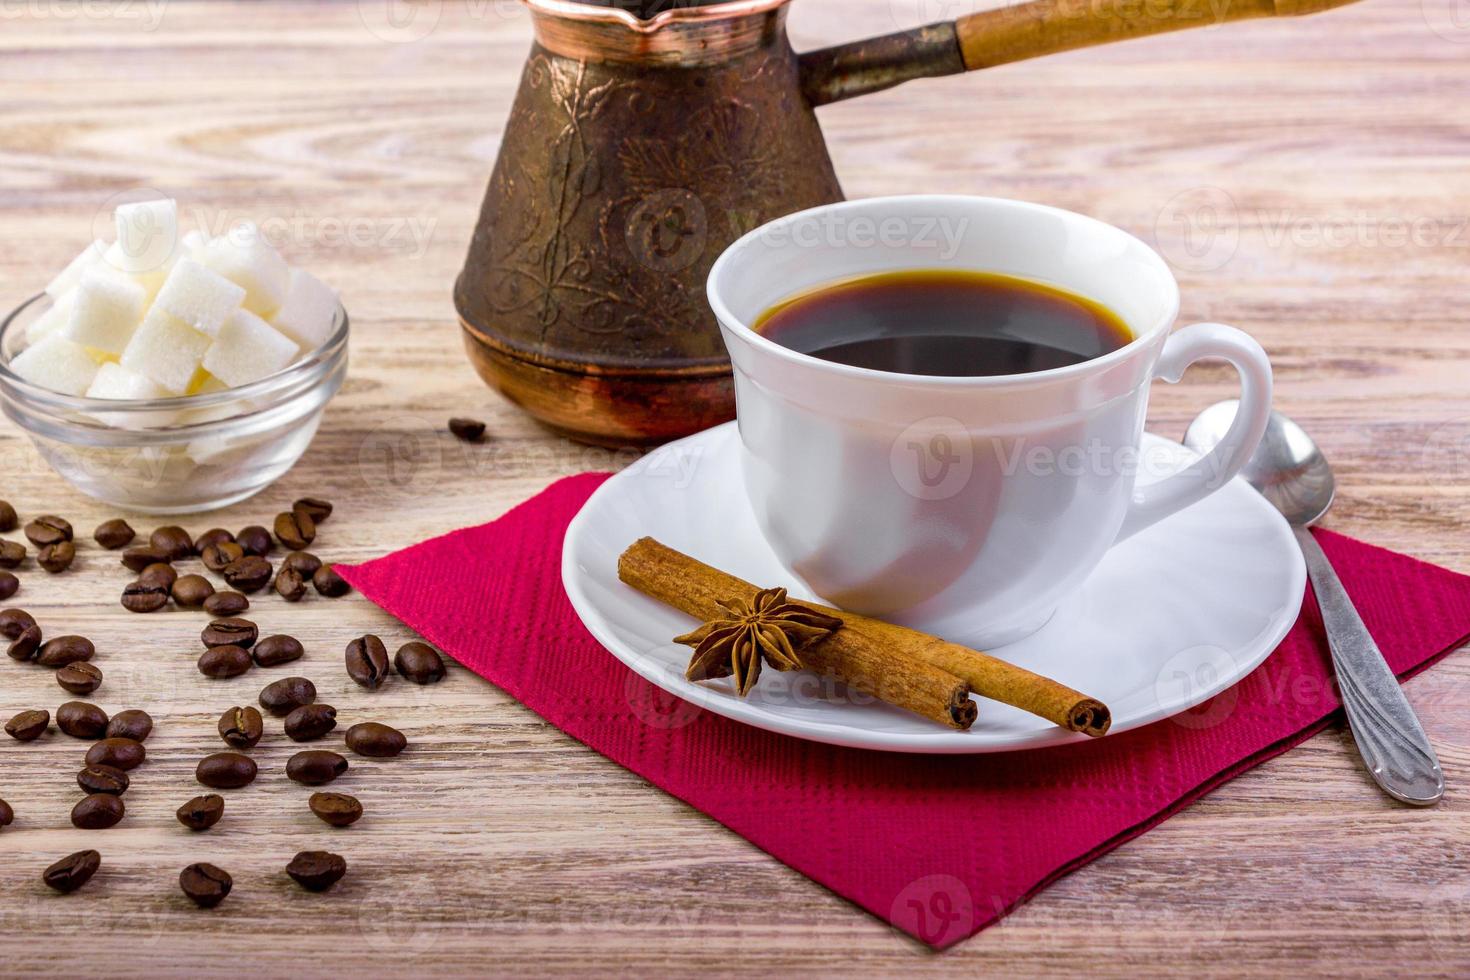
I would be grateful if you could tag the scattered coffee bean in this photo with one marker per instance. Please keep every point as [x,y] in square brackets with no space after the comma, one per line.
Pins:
[337,809]
[7,815]
[226,604]
[316,871]
[304,563]
[159,574]
[467,430]
[9,520]
[289,585]
[249,574]
[142,597]
[174,540]
[377,741]
[241,728]
[10,585]
[315,767]
[98,812]
[202,812]
[82,678]
[114,534]
[220,555]
[273,651]
[205,885]
[225,662]
[255,539]
[25,646]
[65,650]
[12,554]
[316,507]
[367,661]
[28,725]
[137,559]
[296,530]
[103,779]
[82,720]
[420,663]
[310,722]
[230,632]
[286,695]
[329,583]
[215,535]
[57,558]
[72,871]
[48,529]
[190,591]
[14,622]
[226,770]
[120,753]
[132,724]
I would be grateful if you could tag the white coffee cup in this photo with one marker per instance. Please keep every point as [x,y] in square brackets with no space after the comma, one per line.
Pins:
[967,507]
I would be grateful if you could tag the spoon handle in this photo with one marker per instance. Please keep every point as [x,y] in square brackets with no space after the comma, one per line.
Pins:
[1388,733]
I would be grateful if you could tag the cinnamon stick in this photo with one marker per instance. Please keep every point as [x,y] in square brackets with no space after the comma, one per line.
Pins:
[870,647]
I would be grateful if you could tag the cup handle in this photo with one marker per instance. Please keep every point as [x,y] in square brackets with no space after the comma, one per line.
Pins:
[1156,501]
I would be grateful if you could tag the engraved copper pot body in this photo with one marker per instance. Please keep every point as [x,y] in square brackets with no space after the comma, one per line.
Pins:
[642,142]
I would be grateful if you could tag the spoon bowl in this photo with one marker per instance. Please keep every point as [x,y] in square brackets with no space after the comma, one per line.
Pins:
[1287,468]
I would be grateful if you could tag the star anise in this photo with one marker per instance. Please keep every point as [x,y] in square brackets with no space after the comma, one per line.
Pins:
[769,629]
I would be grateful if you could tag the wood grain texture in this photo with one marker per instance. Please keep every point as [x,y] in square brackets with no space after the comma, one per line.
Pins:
[1308,179]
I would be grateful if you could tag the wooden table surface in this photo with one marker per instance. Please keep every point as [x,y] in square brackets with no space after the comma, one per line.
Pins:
[1309,182]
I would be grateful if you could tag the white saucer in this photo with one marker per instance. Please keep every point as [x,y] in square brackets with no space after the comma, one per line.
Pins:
[1172,617]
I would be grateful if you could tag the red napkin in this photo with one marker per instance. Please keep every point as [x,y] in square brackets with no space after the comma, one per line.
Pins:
[940,846]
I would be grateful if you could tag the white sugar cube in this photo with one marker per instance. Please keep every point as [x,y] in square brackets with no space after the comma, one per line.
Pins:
[117,382]
[54,318]
[310,311]
[151,280]
[248,349]
[105,310]
[166,350]
[192,243]
[72,274]
[147,232]
[244,257]
[200,297]
[56,363]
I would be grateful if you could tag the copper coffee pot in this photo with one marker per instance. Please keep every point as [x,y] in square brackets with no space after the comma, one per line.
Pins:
[639,147]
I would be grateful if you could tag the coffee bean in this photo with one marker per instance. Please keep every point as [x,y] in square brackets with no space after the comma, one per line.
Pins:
[133,724]
[7,815]
[137,559]
[141,597]
[316,871]
[98,812]
[286,695]
[159,574]
[226,604]
[226,770]
[304,563]
[310,722]
[367,661]
[467,430]
[82,720]
[114,534]
[26,646]
[230,632]
[205,885]
[9,585]
[215,535]
[80,678]
[28,725]
[63,650]
[12,554]
[190,591]
[241,728]
[120,753]
[14,622]
[316,507]
[225,662]
[273,651]
[220,555]
[103,779]
[48,529]
[315,767]
[290,585]
[9,520]
[72,871]
[296,530]
[337,809]
[249,574]
[202,812]
[420,663]
[255,539]
[174,540]
[377,741]
[329,583]
[57,558]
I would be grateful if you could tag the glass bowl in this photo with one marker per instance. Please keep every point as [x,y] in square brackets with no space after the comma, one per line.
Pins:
[173,455]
